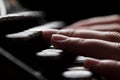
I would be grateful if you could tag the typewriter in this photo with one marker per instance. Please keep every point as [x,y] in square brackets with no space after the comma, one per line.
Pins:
[21,40]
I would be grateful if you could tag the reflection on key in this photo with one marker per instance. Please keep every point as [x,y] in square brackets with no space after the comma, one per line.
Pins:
[78,75]
[76,68]
[50,53]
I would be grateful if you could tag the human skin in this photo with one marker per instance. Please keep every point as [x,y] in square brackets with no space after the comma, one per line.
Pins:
[96,38]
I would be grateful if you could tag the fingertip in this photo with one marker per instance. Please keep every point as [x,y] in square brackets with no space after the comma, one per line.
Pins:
[58,40]
[58,37]
[47,34]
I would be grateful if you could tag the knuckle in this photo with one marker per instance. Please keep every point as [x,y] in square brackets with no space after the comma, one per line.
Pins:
[113,36]
[80,41]
[72,32]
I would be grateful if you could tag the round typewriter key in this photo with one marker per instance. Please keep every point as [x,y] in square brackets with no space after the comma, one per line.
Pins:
[77,75]
[79,61]
[50,53]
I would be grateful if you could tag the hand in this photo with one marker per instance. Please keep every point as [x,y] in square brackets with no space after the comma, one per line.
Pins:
[98,44]
[97,48]
[97,38]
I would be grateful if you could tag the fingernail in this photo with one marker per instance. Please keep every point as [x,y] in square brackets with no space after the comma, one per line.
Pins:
[58,37]
[90,62]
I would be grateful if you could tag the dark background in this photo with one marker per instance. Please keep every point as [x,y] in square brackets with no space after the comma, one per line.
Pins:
[68,11]
[72,10]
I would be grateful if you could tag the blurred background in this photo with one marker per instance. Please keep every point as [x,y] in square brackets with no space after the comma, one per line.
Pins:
[73,10]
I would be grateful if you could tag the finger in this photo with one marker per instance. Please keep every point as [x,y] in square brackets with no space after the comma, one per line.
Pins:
[87,47]
[107,27]
[88,34]
[107,68]
[47,34]
[97,21]
[104,27]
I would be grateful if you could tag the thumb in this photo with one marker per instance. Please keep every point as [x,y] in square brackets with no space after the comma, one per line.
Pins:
[110,69]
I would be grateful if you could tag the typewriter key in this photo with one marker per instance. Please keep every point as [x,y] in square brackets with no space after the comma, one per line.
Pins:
[77,67]
[78,75]
[50,53]
[77,71]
